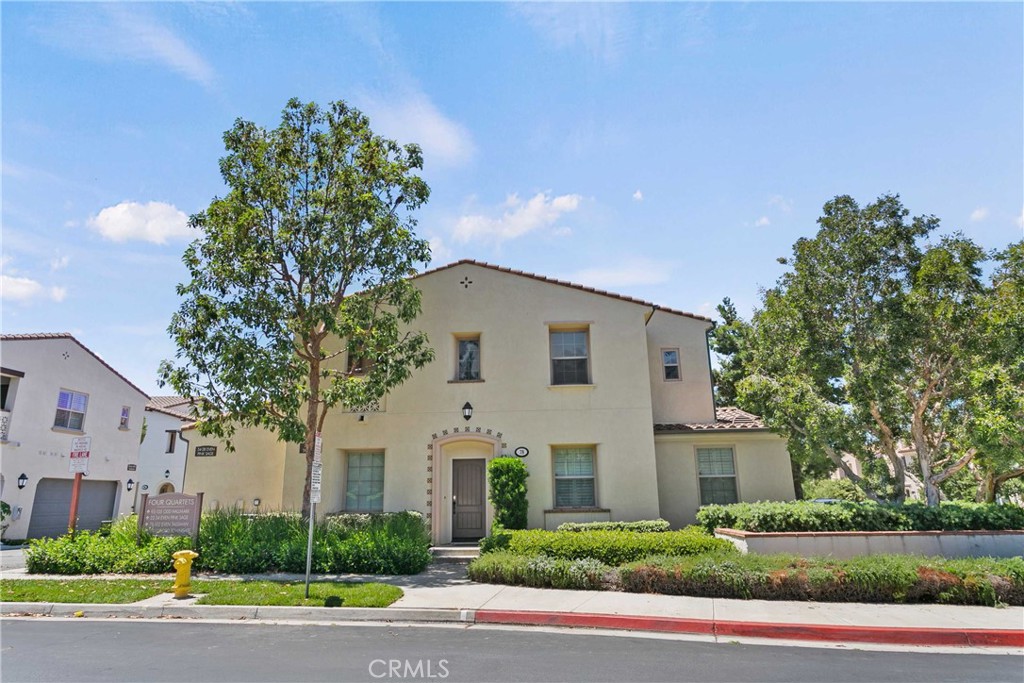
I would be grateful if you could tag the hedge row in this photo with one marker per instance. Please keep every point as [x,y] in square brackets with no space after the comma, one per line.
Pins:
[847,516]
[644,526]
[233,543]
[873,579]
[608,547]
[538,572]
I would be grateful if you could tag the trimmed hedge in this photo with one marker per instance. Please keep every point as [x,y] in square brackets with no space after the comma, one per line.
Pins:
[876,579]
[609,547]
[643,526]
[230,542]
[538,572]
[847,516]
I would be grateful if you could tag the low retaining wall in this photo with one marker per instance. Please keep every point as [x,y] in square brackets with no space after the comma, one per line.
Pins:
[843,544]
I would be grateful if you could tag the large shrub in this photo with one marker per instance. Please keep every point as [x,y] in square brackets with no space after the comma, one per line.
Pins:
[847,516]
[881,578]
[836,489]
[612,547]
[230,542]
[507,480]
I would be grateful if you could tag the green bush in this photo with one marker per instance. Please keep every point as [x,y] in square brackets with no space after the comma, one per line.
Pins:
[538,572]
[507,481]
[613,547]
[875,579]
[230,542]
[836,489]
[643,526]
[846,516]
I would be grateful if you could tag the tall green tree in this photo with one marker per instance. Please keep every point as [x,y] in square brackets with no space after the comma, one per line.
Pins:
[866,344]
[730,342]
[302,265]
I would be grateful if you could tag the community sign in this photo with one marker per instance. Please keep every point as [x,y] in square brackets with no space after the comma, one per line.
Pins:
[171,514]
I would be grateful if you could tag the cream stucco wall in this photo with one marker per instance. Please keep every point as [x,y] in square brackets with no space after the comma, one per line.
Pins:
[762,470]
[232,479]
[688,399]
[38,449]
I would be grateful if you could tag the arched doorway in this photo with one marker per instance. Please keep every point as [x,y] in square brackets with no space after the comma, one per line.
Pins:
[460,508]
[166,488]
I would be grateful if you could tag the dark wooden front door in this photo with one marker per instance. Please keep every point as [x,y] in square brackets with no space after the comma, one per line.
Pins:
[469,500]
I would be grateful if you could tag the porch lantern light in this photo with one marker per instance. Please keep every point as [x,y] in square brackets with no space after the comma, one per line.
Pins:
[467,411]
[167,474]
[22,480]
[129,484]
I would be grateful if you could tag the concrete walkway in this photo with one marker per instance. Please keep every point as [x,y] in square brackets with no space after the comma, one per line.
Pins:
[443,593]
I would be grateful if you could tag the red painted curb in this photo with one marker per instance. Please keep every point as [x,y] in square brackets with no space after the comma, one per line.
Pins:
[814,632]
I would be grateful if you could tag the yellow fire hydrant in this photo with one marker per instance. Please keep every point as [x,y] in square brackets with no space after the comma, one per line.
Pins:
[183,565]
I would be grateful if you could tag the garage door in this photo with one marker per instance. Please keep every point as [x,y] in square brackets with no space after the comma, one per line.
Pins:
[53,502]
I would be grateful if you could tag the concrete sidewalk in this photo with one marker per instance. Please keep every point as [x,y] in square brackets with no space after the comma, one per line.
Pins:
[443,594]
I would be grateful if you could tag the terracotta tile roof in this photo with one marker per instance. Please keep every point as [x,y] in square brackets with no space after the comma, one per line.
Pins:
[564,283]
[175,406]
[729,419]
[67,335]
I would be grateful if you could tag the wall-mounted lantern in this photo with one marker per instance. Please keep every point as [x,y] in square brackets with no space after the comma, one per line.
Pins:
[22,480]
[467,411]
[129,484]
[167,474]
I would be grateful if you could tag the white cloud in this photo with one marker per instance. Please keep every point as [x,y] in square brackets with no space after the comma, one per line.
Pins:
[518,218]
[602,29]
[416,119]
[439,251]
[979,214]
[781,203]
[60,262]
[638,196]
[762,222]
[154,222]
[112,32]
[630,272]
[23,289]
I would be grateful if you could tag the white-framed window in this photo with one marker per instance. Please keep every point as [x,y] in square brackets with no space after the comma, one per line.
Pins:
[716,472]
[467,358]
[360,362]
[126,412]
[575,480]
[71,407]
[364,481]
[670,364]
[172,440]
[570,357]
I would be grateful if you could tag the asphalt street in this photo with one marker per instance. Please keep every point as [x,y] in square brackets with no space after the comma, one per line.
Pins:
[44,649]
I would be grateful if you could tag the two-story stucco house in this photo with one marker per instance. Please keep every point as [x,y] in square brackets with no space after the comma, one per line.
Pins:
[54,389]
[607,399]
[163,450]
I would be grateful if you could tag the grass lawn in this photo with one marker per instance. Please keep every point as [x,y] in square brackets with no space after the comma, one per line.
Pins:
[122,591]
[293,594]
[118,591]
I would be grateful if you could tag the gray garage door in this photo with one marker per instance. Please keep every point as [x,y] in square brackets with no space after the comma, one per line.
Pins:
[53,502]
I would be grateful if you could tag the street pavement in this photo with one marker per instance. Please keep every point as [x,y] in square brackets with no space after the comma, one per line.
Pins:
[443,593]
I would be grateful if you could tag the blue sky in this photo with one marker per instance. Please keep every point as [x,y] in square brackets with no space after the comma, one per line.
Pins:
[667,151]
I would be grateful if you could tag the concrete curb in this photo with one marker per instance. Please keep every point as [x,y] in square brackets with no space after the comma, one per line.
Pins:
[807,632]
[713,627]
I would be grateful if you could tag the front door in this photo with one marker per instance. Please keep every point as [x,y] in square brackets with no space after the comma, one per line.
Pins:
[469,500]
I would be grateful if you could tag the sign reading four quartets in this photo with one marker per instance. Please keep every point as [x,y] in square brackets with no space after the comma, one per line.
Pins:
[171,514]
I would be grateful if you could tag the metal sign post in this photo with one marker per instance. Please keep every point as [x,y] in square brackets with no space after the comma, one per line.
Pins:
[314,498]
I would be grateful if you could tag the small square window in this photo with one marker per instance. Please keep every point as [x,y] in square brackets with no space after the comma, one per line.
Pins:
[468,360]
[570,359]
[670,363]
[71,407]
[126,411]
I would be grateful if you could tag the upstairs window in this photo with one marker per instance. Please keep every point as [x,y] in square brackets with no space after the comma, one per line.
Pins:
[126,411]
[570,361]
[172,441]
[574,477]
[468,359]
[670,363]
[359,362]
[716,469]
[71,407]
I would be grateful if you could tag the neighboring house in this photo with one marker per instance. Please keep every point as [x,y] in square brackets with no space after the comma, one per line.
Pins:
[54,389]
[607,398]
[163,450]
